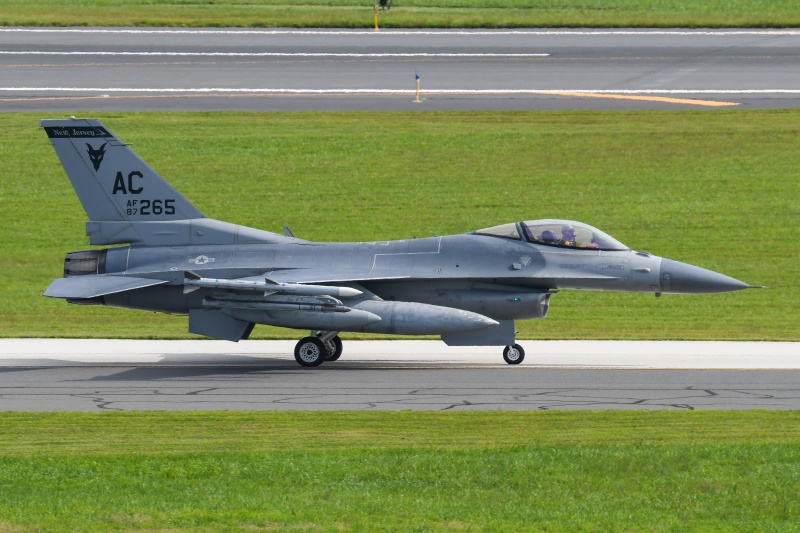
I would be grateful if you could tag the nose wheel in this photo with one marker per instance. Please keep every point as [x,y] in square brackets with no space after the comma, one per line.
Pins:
[514,355]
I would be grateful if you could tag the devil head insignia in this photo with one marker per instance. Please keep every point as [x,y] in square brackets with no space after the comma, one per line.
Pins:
[96,155]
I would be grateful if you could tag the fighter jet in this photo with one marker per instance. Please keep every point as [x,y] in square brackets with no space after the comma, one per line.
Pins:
[468,288]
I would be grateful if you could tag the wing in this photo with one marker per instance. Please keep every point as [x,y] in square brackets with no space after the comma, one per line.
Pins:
[314,275]
[93,286]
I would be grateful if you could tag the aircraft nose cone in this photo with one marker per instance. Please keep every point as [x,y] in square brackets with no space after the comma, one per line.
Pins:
[682,278]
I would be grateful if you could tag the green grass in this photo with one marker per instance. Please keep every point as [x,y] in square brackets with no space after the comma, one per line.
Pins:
[406,13]
[163,433]
[405,471]
[717,189]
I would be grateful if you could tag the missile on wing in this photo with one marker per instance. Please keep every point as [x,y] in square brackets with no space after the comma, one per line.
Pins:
[193,281]
[276,306]
[321,312]
[353,320]
[315,290]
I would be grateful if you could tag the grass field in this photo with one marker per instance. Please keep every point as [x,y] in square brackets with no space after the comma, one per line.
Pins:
[405,13]
[716,189]
[405,471]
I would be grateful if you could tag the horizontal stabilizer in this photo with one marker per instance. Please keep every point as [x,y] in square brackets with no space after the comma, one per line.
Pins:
[93,286]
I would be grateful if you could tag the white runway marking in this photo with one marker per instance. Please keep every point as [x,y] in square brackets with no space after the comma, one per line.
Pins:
[558,354]
[272,90]
[389,32]
[271,54]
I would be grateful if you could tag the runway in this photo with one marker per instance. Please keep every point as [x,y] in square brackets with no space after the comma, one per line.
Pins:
[137,69]
[91,375]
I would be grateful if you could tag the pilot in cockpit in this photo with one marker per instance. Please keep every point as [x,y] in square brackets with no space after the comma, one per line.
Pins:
[568,236]
[569,239]
[548,237]
[560,233]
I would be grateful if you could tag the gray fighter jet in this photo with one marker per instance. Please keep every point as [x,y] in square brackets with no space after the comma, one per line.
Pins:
[467,288]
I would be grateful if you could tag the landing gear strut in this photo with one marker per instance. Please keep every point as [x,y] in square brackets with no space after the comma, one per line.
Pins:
[321,346]
[514,355]
[333,348]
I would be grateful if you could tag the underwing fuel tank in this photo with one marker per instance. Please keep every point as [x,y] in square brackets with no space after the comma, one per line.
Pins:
[409,318]
[497,304]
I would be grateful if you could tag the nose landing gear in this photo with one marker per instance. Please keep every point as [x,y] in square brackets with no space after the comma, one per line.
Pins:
[513,355]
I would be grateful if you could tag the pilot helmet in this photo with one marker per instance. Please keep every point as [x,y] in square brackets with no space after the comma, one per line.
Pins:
[548,236]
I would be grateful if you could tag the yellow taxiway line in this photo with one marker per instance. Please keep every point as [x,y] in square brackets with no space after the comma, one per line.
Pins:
[666,100]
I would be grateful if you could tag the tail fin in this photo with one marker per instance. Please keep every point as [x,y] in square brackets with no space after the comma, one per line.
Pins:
[112,182]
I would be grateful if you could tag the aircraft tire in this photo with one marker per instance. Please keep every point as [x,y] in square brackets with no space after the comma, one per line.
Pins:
[309,351]
[333,349]
[514,355]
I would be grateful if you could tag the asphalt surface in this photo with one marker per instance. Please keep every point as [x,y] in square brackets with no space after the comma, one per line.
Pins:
[113,69]
[90,375]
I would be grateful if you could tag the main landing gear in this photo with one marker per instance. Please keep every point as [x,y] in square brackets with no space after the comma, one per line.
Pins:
[514,355]
[321,346]
[324,346]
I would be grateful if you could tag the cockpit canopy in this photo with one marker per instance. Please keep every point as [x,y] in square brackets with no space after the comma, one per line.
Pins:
[560,233]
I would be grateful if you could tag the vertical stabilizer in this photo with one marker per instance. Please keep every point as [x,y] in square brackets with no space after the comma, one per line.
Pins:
[112,182]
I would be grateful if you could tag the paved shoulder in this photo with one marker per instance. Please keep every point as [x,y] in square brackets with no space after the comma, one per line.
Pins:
[406,354]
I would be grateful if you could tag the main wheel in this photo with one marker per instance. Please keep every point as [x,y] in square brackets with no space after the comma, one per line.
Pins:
[514,355]
[310,351]
[333,349]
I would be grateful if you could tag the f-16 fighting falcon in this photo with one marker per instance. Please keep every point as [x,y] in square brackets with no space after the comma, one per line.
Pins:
[468,288]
